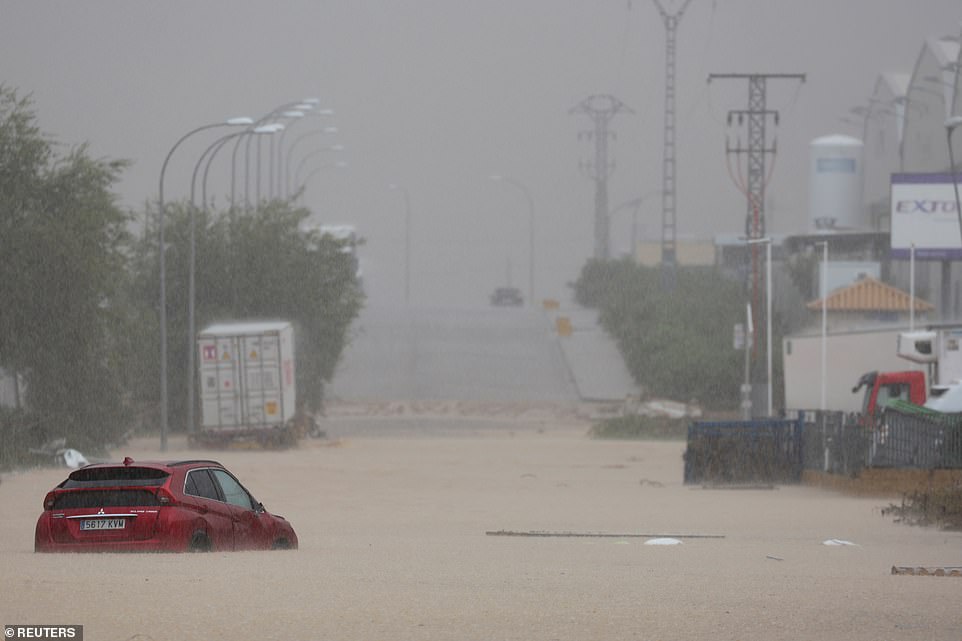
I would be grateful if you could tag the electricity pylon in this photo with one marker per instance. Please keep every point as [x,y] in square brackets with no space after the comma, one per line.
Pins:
[601,109]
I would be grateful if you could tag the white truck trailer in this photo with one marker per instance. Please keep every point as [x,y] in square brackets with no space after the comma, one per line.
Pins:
[935,350]
[849,355]
[247,383]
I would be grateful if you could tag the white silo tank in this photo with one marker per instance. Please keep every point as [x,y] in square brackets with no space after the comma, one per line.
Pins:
[835,198]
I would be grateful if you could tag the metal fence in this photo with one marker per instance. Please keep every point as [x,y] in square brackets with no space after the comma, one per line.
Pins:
[776,451]
[764,451]
[846,443]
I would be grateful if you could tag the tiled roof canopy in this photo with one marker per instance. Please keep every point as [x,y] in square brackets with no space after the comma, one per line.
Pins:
[870,295]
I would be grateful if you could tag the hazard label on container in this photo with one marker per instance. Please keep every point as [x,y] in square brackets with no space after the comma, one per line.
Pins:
[253,355]
[270,408]
[210,353]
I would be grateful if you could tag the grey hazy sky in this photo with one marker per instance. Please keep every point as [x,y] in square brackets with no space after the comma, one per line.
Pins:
[436,95]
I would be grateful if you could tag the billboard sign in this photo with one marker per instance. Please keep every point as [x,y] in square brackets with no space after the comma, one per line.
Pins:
[924,213]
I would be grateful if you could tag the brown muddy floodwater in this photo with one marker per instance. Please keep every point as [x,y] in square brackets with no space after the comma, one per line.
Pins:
[392,521]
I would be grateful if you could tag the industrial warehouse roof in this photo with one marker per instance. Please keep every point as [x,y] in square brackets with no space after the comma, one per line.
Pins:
[869,294]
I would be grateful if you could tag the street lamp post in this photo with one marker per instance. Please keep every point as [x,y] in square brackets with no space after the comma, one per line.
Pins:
[284,159]
[527,196]
[294,115]
[191,273]
[305,104]
[162,267]
[950,126]
[270,128]
[209,155]
[824,279]
[767,241]
[407,241]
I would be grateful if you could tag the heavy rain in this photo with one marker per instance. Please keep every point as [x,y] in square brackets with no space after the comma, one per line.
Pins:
[532,320]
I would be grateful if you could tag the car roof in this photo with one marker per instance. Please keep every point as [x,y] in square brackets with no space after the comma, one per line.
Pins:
[160,465]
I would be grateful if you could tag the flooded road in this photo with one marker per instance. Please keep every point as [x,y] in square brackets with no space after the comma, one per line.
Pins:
[392,525]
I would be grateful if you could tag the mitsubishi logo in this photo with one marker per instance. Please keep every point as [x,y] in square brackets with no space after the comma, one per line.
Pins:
[100,512]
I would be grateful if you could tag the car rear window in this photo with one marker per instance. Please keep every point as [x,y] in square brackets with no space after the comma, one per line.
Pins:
[104,498]
[113,476]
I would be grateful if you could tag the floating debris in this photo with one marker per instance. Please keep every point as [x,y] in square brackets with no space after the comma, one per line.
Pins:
[604,535]
[73,459]
[945,570]
[663,541]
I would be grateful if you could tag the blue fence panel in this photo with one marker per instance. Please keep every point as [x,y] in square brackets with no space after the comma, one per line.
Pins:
[760,451]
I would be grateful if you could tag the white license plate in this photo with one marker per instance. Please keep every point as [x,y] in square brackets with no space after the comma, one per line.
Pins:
[103,524]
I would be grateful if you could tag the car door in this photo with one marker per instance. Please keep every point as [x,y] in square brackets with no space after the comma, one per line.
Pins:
[251,530]
[202,490]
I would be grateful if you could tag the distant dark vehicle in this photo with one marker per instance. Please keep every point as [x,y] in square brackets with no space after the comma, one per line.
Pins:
[185,506]
[507,297]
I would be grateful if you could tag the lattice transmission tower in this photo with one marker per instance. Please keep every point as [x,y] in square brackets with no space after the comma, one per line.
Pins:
[756,117]
[668,214]
[601,109]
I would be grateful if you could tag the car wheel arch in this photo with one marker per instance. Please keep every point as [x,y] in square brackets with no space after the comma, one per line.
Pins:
[282,543]
[199,541]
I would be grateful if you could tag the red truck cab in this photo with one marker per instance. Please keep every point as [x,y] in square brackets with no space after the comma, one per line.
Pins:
[882,387]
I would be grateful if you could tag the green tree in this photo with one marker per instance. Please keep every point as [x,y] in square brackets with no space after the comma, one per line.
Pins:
[676,344]
[256,264]
[61,240]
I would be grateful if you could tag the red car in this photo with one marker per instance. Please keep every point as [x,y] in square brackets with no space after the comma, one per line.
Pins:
[192,506]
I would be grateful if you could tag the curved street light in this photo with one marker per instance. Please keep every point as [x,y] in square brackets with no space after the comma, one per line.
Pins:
[290,153]
[209,155]
[340,164]
[306,108]
[293,115]
[232,122]
[270,128]
[303,161]
[527,196]
[306,103]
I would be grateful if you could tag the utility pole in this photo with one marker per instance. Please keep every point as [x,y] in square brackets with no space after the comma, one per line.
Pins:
[757,116]
[601,109]
[668,227]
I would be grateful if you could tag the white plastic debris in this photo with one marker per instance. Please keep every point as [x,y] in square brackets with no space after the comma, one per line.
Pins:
[74,459]
[663,541]
[837,542]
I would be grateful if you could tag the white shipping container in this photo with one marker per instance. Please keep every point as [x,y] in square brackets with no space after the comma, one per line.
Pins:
[246,375]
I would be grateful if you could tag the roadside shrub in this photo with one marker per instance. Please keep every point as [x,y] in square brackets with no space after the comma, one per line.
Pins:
[941,507]
[641,427]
